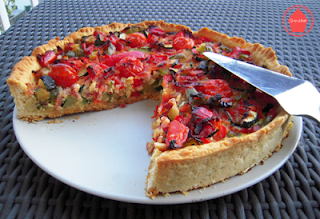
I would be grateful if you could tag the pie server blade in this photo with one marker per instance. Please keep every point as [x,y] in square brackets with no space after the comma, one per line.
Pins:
[296,96]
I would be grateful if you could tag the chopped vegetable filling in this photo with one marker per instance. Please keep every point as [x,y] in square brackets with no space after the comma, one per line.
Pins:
[200,101]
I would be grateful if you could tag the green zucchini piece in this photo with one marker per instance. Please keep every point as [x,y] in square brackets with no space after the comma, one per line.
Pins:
[42,95]
[142,49]
[249,120]
[53,95]
[69,101]
[191,91]
[165,45]
[163,71]
[131,29]
[178,56]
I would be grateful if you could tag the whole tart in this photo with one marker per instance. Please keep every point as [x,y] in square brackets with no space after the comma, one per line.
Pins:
[209,124]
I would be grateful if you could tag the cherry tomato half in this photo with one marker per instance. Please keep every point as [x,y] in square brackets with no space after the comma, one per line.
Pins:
[182,43]
[129,66]
[177,135]
[216,86]
[136,39]
[134,54]
[63,74]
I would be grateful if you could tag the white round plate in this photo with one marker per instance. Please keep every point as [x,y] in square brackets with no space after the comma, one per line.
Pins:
[104,153]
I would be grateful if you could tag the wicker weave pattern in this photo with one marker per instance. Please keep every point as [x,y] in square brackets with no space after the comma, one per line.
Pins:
[291,192]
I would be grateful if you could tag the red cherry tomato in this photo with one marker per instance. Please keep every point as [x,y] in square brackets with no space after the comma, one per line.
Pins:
[216,86]
[134,54]
[63,75]
[179,34]
[177,135]
[129,66]
[136,40]
[182,43]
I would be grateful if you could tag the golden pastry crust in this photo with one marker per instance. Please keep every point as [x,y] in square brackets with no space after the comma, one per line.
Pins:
[174,170]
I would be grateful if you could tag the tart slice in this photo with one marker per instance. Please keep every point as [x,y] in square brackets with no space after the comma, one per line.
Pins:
[209,124]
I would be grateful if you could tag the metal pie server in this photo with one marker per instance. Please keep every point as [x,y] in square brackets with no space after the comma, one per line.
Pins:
[296,96]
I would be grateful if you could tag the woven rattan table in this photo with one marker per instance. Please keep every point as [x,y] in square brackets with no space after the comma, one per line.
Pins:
[293,191]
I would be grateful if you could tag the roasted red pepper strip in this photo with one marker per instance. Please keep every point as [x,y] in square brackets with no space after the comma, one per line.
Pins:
[114,59]
[47,58]
[237,51]
[202,113]
[177,135]
[156,31]
[87,50]
[182,120]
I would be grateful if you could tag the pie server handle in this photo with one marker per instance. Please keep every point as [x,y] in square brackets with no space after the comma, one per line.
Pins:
[302,100]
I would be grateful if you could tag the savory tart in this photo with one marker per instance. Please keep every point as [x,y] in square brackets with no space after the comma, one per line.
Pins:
[209,124]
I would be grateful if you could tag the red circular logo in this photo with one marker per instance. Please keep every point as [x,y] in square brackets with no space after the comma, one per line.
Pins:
[297,20]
